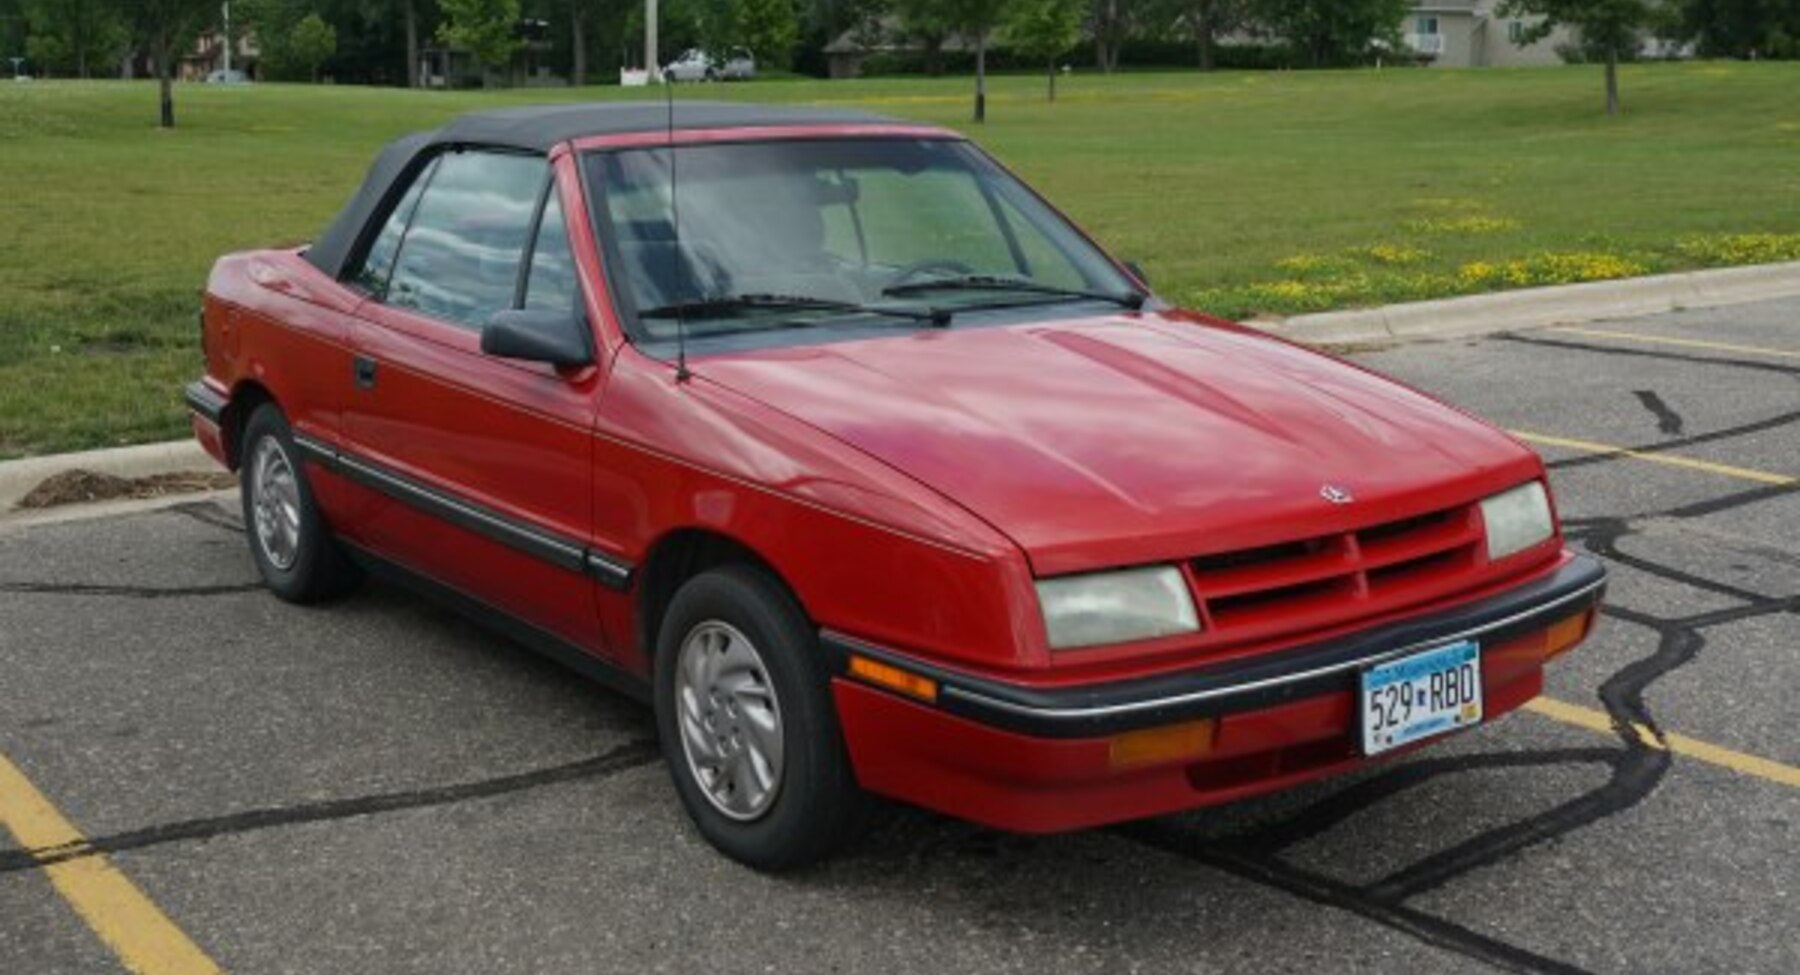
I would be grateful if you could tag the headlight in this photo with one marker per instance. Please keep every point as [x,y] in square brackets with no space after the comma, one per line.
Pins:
[1516,519]
[1114,607]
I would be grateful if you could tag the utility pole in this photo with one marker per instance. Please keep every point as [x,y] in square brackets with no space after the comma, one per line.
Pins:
[651,65]
[225,11]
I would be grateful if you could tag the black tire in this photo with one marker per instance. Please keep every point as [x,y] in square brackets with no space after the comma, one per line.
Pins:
[318,568]
[817,805]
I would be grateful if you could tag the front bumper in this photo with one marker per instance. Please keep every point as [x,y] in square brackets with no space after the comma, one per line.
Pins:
[1042,759]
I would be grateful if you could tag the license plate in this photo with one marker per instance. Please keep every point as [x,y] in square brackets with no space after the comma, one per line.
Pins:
[1420,695]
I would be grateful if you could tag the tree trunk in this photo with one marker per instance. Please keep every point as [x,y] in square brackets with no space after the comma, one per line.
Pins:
[165,79]
[1106,53]
[1053,79]
[981,77]
[1612,81]
[1108,37]
[412,44]
[578,37]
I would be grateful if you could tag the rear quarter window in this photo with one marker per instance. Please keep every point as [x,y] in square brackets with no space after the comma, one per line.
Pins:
[372,274]
[459,261]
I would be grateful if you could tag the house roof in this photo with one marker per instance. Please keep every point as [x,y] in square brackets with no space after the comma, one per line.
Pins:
[540,128]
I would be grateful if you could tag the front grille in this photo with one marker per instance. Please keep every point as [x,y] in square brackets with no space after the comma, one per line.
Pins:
[1315,583]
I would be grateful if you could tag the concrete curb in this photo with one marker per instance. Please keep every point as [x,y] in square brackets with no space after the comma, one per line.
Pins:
[18,477]
[1537,307]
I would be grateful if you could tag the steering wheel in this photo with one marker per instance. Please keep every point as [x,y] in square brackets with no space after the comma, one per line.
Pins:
[918,268]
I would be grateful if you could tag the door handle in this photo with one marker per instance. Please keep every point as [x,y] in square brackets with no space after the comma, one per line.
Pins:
[365,372]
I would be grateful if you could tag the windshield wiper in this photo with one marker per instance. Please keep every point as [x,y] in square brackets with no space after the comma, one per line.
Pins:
[720,305]
[1133,300]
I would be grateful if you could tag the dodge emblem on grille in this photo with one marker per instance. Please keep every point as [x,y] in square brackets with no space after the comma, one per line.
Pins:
[1335,494]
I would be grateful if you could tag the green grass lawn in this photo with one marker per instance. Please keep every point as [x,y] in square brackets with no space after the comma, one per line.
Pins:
[1241,193]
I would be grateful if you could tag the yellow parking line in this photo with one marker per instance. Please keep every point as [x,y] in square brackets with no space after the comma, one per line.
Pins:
[1670,460]
[1762,768]
[140,934]
[1669,340]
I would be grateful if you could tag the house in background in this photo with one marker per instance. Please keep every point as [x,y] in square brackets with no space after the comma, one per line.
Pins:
[1471,34]
[208,55]
[448,66]
[885,37]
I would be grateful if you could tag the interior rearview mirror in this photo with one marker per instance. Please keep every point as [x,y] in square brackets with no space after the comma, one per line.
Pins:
[559,338]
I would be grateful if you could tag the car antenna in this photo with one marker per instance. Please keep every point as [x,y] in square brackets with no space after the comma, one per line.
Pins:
[681,368]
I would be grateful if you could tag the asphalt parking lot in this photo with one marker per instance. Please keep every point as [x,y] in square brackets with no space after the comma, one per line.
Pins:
[227,781]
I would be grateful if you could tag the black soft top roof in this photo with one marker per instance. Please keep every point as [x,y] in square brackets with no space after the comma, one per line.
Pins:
[539,128]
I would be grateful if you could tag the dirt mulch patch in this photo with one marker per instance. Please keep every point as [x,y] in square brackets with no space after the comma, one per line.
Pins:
[86,487]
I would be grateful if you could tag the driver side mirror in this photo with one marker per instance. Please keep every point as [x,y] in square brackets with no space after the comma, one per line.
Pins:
[558,338]
[1137,271]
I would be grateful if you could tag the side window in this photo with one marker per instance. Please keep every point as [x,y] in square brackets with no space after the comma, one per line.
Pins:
[460,259]
[551,285]
[378,263]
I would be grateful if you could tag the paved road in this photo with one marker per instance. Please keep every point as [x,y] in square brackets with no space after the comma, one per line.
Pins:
[381,787]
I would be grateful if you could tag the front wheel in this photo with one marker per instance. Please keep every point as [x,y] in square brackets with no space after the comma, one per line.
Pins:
[748,730]
[292,547]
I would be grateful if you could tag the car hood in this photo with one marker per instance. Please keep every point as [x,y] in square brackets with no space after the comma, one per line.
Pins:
[1136,438]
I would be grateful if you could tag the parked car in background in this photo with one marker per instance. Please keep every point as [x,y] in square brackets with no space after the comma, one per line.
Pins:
[871,473]
[221,76]
[693,65]
[738,65]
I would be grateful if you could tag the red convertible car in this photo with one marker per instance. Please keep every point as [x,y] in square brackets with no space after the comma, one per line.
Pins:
[873,474]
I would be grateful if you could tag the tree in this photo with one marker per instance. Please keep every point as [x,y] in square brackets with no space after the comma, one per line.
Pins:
[976,20]
[165,27]
[1207,20]
[1614,28]
[74,35]
[1325,33]
[13,32]
[378,40]
[578,14]
[273,23]
[312,41]
[1041,30]
[1742,28]
[484,28]
[769,28]
[929,24]
[1111,22]
[409,15]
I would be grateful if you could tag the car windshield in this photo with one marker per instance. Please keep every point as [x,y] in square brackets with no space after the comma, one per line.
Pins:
[845,231]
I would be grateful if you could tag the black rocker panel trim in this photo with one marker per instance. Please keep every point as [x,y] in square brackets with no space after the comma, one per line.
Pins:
[557,549]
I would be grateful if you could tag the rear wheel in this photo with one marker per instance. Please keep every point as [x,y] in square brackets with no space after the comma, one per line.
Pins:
[748,730]
[292,547]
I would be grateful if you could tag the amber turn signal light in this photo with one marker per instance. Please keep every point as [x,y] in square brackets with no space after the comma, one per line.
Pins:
[894,679]
[1170,743]
[1565,633]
